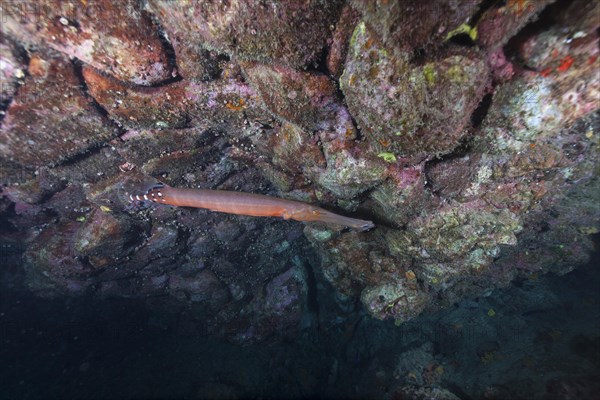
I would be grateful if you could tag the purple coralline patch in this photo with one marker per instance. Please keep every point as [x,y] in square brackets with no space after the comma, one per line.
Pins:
[466,130]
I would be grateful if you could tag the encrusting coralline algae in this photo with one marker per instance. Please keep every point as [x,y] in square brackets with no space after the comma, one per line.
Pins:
[470,139]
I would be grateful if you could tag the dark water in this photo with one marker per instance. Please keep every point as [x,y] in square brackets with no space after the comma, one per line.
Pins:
[539,338]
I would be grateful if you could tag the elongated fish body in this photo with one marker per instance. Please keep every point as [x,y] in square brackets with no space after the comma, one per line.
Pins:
[252,204]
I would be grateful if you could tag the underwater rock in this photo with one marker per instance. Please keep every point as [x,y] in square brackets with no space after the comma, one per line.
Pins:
[411,109]
[303,98]
[176,105]
[347,174]
[35,131]
[473,148]
[421,393]
[403,195]
[410,24]
[202,287]
[118,39]
[12,70]
[572,387]
[538,139]
[338,50]
[502,21]
[291,34]
[290,140]
[104,238]
[52,264]
[276,312]
[396,300]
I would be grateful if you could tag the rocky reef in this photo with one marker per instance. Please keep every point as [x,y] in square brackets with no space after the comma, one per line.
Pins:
[468,131]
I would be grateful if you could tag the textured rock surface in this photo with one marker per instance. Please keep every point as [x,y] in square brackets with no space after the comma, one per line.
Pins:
[119,39]
[302,98]
[499,23]
[411,24]
[292,34]
[468,131]
[51,118]
[407,108]
[12,70]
